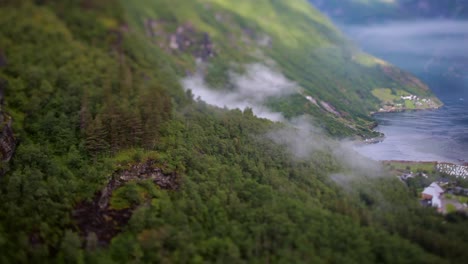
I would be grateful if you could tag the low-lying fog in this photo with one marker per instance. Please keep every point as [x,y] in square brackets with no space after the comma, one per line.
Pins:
[300,136]
[428,48]
[251,89]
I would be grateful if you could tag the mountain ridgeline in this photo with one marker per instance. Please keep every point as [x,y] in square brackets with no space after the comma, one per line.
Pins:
[374,11]
[424,37]
[110,158]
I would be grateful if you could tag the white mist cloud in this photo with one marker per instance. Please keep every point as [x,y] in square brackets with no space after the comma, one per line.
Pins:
[302,140]
[445,37]
[356,162]
[355,166]
[299,136]
[249,90]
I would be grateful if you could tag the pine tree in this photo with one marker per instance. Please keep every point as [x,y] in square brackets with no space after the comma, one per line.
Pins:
[135,128]
[95,137]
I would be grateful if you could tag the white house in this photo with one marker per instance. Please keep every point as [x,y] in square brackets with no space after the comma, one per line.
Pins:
[433,193]
[437,187]
[409,97]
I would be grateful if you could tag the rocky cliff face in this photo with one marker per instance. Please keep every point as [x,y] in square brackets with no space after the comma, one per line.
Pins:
[7,138]
[97,218]
[185,39]
[7,141]
[139,172]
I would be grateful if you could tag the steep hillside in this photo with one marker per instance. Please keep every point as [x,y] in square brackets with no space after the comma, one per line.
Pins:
[113,162]
[291,37]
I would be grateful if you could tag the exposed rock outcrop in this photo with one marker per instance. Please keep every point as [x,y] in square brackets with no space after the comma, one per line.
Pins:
[139,172]
[185,39]
[330,108]
[104,223]
[97,217]
[7,141]
[7,138]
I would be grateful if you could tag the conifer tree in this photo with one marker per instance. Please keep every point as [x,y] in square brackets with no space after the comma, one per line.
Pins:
[95,137]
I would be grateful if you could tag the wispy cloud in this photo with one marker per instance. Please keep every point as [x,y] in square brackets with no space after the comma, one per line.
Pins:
[300,137]
[443,37]
[303,139]
[251,90]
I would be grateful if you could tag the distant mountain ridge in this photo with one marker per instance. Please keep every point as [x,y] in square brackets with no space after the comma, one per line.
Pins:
[447,24]
[361,12]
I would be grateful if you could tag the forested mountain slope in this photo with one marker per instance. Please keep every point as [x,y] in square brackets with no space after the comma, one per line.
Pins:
[303,45]
[115,163]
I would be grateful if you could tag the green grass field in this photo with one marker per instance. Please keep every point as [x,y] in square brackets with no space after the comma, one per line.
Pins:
[385,95]
[450,208]
[404,166]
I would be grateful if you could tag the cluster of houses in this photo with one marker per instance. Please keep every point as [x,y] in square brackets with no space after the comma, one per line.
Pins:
[418,101]
[409,97]
[453,169]
[415,98]
[431,195]
[408,175]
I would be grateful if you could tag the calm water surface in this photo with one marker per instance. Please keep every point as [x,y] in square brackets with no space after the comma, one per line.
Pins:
[439,135]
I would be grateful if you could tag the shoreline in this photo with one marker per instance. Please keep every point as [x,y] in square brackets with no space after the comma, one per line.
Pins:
[402,110]
[444,168]
[381,138]
[435,162]
[405,145]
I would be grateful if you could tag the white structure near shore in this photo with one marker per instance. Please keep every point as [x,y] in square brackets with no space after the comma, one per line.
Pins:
[433,194]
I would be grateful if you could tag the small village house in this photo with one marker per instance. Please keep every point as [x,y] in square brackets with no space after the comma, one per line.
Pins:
[432,194]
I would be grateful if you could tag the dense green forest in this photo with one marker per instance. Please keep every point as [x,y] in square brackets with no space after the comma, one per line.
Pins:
[115,163]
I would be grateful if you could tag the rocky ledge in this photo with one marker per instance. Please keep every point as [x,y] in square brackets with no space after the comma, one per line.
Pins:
[97,217]
[7,139]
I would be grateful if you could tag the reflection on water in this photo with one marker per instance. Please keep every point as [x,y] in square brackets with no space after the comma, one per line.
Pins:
[440,135]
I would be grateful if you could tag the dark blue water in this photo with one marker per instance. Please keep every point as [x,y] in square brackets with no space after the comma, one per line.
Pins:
[438,135]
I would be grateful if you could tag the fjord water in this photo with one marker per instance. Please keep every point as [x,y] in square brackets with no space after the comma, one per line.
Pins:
[436,135]
[436,51]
